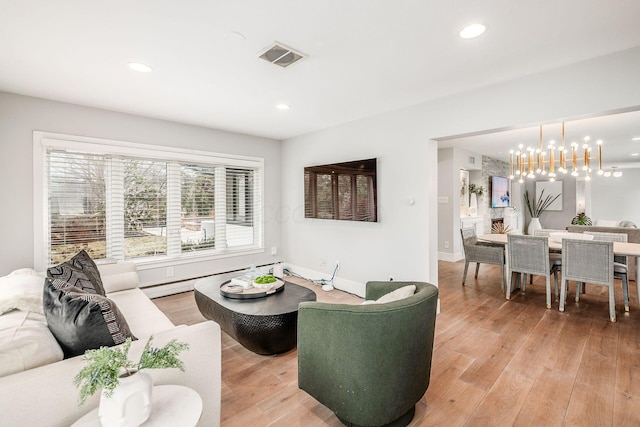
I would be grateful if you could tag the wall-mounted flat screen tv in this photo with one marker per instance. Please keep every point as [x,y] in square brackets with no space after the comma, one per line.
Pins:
[342,191]
[500,192]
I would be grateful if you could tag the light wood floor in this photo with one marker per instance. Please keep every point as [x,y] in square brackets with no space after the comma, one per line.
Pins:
[495,362]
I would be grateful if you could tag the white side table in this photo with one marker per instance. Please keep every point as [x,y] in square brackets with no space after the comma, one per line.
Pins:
[172,405]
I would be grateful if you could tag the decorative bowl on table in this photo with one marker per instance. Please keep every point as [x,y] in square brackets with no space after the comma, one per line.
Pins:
[557,237]
[264,282]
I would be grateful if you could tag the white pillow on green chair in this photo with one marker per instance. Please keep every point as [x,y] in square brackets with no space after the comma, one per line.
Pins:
[397,295]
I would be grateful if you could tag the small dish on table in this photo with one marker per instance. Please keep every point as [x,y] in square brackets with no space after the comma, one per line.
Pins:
[265,282]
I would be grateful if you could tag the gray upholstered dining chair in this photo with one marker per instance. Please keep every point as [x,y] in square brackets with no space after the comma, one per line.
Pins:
[530,255]
[555,257]
[479,253]
[587,261]
[620,263]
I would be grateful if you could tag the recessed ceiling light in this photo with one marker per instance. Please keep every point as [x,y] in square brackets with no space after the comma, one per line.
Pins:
[472,31]
[635,154]
[637,138]
[283,106]
[136,66]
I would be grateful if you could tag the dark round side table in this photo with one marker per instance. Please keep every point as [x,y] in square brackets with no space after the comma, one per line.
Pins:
[267,325]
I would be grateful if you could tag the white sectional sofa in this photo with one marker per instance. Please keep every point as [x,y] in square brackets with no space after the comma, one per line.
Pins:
[37,387]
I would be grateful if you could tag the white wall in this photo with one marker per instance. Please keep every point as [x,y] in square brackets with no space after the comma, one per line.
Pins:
[617,198]
[402,242]
[367,251]
[21,115]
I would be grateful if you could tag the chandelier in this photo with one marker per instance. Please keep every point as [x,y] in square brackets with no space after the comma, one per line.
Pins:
[535,162]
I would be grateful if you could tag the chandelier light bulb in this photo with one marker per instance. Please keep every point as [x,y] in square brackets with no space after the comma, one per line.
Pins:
[587,178]
[607,174]
[600,172]
[617,174]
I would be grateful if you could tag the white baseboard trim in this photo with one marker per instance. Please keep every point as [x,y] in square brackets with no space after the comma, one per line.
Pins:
[450,257]
[184,286]
[346,285]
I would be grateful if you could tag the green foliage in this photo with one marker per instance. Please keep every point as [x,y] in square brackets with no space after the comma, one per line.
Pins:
[581,219]
[475,189]
[265,279]
[107,364]
[537,208]
[165,357]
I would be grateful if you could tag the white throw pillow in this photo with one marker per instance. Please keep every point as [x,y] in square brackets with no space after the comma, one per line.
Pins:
[397,295]
[21,290]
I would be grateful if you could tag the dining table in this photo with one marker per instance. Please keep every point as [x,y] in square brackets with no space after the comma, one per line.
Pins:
[619,248]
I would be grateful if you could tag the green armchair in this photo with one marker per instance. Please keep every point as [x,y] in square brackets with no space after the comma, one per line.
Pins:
[370,364]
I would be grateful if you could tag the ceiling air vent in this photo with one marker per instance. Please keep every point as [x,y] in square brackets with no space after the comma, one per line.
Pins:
[281,55]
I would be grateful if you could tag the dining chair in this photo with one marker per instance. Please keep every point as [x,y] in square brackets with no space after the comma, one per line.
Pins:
[588,261]
[479,253]
[620,263]
[530,255]
[554,255]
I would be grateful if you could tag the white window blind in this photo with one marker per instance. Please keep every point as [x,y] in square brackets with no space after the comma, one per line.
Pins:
[117,206]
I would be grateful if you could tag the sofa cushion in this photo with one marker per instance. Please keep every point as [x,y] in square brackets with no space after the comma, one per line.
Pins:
[26,342]
[21,290]
[80,271]
[118,276]
[143,316]
[81,321]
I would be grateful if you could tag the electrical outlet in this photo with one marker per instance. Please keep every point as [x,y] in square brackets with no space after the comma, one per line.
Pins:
[391,278]
[323,263]
[337,265]
[170,272]
[446,244]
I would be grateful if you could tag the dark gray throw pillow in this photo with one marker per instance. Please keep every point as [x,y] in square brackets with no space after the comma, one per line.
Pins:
[80,272]
[82,321]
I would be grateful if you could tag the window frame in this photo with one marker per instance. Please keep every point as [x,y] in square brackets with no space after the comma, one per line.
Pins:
[44,140]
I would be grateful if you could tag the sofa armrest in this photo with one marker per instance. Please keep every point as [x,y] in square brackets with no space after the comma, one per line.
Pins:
[47,395]
[119,276]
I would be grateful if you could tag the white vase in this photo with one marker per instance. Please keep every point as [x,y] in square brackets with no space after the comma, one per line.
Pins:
[130,403]
[534,225]
[473,205]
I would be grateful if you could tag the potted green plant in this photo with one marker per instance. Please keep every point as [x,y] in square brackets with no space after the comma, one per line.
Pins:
[110,370]
[581,219]
[537,208]
[474,189]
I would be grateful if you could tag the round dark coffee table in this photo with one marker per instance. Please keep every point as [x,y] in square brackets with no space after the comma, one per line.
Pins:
[266,325]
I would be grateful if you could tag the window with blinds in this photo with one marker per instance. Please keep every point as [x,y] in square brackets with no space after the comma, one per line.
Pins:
[119,206]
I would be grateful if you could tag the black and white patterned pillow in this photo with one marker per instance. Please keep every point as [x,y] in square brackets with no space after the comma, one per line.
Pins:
[82,321]
[80,272]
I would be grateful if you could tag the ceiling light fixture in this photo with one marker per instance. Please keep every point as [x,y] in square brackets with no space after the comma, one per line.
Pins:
[532,162]
[635,154]
[137,66]
[472,31]
[637,138]
[283,106]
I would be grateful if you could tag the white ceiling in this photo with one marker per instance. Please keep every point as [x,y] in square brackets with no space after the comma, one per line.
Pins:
[365,57]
